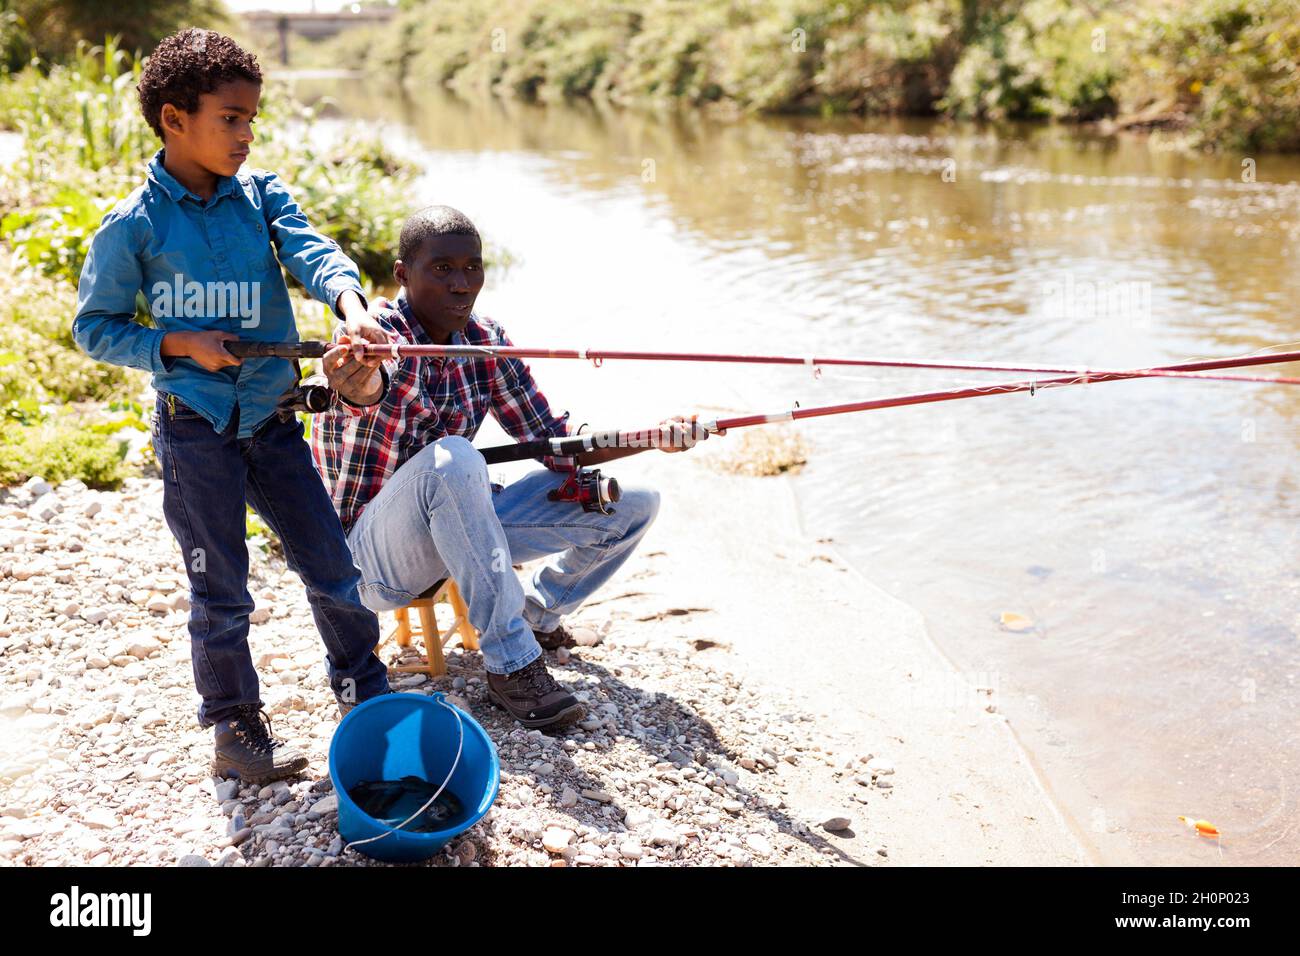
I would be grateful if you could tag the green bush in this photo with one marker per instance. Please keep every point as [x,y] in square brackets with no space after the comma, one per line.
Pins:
[85,143]
[1044,58]
[38,362]
[56,452]
[54,236]
[1230,65]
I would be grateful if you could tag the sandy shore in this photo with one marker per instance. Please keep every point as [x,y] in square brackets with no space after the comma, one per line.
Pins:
[793,617]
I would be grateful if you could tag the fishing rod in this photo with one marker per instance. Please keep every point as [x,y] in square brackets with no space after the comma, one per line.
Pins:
[650,437]
[595,493]
[316,349]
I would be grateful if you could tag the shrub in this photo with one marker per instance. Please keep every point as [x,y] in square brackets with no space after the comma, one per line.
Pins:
[1229,64]
[56,452]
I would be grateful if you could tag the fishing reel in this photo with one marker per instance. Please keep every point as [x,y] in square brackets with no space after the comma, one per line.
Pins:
[307,397]
[588,488]
[311,396]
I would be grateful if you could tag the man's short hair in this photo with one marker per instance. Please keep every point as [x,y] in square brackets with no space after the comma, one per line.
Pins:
[429,222]
[188,64]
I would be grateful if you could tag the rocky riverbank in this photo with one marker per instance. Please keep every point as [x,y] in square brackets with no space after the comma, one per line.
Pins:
[102,761]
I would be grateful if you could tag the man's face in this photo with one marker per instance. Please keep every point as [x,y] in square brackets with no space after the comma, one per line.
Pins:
[216,137]
[442,282]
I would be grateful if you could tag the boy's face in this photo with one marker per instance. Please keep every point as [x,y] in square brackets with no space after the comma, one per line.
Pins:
[218,135]
[442,282]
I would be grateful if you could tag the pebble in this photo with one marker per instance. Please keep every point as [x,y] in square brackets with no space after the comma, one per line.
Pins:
[556,839]
[836,823]
[45,507]
[465,852]
[229,856]
[100,818]
[328,804]
[663,833]
[227,790]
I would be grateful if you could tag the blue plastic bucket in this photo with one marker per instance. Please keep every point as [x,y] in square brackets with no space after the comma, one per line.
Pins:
[397,735]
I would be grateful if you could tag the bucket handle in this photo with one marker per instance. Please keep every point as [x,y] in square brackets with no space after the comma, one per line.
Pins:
[440,697]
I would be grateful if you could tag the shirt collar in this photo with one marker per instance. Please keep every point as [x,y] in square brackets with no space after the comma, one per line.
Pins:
[226,185]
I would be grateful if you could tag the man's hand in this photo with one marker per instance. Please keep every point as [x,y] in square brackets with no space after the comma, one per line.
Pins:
[206,348]
[680,433]
[360,327]
[356,381]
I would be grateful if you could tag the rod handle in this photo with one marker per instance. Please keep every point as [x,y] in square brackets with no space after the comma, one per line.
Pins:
[289,350]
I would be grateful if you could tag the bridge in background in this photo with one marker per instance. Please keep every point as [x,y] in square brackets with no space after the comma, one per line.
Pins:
[312,26]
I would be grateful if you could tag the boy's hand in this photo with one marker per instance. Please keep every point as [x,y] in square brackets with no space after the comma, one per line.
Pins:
[360,327]
[680,433]
[357,382]
[206,348]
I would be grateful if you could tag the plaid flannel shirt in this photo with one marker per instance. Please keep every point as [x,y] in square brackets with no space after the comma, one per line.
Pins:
[358,448]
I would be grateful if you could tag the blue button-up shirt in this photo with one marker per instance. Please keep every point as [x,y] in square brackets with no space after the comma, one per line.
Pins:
[202,266]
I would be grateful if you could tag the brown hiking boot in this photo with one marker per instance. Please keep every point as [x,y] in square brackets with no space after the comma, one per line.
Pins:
[554,640]
[245,747]
[533,697]
[563,637]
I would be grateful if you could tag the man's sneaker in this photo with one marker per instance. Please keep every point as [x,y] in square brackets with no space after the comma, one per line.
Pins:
[345,706]
[246,748]
[533,697]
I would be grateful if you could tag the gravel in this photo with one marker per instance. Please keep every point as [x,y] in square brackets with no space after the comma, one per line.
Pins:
[102,760]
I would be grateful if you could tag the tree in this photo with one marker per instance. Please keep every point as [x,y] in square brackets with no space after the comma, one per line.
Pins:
[53,27]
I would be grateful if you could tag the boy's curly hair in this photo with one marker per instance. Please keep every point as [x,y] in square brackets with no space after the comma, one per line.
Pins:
[188,64]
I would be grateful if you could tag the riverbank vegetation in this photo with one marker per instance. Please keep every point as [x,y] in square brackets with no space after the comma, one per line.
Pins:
[1221,72]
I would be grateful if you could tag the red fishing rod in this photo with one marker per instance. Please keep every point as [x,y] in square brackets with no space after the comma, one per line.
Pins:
[651,437]
[397,351]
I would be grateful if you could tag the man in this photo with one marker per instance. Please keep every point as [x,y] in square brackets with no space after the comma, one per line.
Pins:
[413,493]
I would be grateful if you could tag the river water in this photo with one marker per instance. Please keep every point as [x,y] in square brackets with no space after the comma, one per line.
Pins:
[1146,529]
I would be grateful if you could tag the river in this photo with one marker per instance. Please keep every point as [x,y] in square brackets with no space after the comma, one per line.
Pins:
[1146,529]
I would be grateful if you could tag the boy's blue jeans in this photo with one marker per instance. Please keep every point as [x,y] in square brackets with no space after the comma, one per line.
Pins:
[438,517]
[207,478]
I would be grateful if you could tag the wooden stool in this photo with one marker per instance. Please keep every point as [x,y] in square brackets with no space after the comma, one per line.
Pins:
[434,639]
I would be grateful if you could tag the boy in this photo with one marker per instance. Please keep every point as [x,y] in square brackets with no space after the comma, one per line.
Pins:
[197,238]
[414,494]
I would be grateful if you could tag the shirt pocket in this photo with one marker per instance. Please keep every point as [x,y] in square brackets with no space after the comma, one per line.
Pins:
[453,421]
[255,243]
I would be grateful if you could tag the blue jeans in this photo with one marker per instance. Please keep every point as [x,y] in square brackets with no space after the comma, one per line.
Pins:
[207,477]
[438,516]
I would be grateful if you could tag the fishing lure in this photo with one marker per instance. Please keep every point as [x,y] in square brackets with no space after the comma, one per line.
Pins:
[1203,827]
